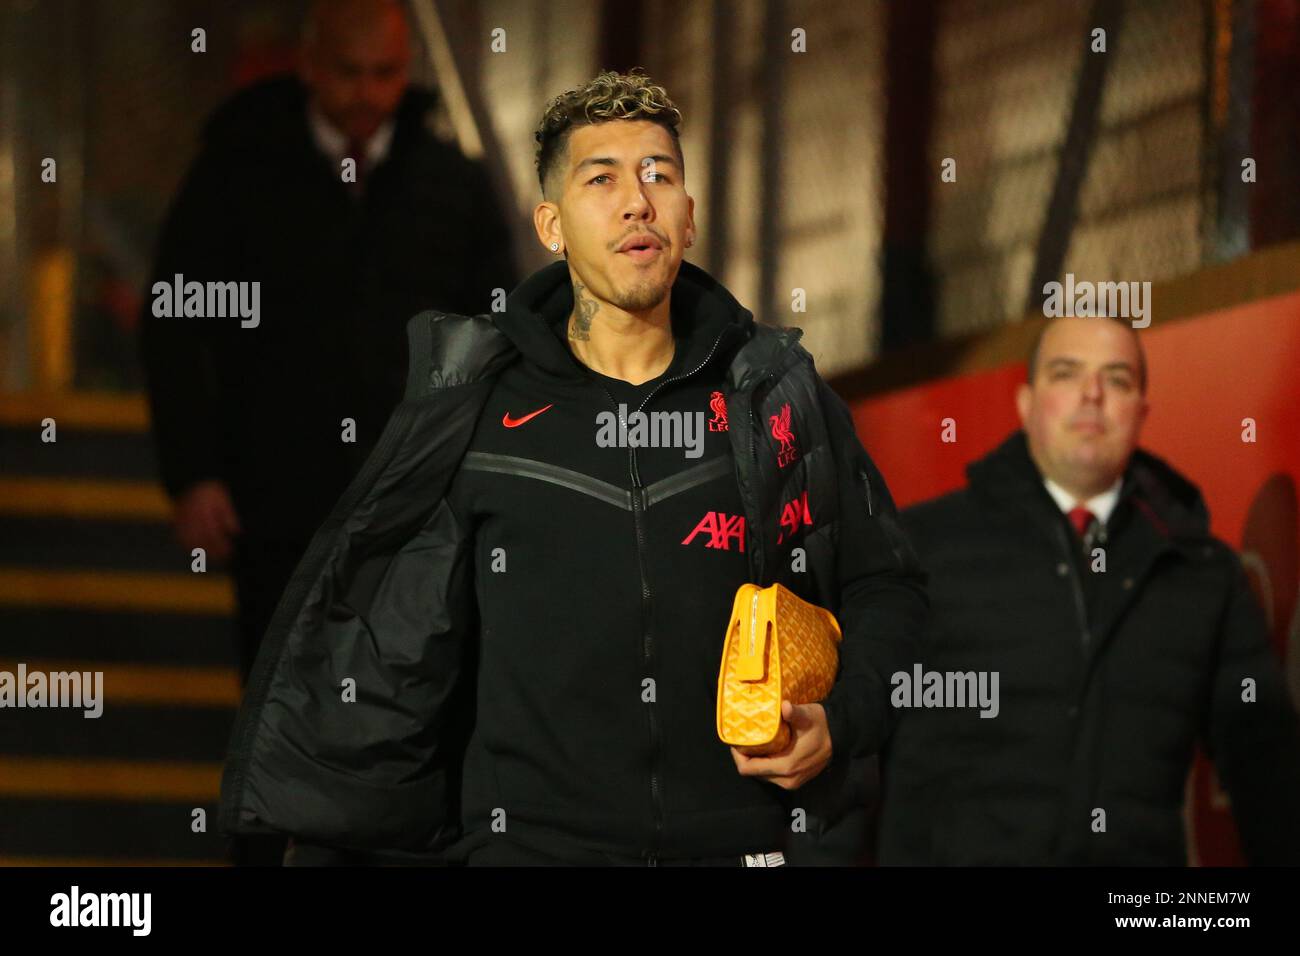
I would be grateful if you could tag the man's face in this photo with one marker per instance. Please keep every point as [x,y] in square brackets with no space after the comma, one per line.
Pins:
[622,179]
[1085,408]
[358,69]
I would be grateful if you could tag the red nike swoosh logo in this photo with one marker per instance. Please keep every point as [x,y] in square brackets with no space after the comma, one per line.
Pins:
[516,422]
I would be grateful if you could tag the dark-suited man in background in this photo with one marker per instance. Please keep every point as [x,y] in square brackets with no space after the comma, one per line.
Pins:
[1082,570]
[249,422]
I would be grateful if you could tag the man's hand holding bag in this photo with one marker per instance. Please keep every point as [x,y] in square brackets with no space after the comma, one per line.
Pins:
[777,647]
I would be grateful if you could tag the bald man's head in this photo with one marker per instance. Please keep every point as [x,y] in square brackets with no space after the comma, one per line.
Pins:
[356,58]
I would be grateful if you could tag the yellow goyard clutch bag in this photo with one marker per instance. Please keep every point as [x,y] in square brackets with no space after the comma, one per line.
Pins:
[778,647]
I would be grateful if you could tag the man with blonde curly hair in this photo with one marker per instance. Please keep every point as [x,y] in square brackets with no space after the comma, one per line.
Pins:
[529,585]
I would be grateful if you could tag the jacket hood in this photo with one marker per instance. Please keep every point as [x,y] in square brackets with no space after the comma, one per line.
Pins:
[274,110]
[1172,502]
[704,314]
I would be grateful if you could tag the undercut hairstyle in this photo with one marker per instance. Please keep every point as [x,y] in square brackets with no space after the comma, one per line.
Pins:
[610,96]
[1124,323]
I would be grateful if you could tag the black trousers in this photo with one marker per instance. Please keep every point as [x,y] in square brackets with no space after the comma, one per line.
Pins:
[263,563]
[262,566]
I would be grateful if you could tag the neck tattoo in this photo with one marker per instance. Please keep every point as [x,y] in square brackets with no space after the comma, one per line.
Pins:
[585,307]
[584,310]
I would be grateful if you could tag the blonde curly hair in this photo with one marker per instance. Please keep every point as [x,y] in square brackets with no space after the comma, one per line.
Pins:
[610,96]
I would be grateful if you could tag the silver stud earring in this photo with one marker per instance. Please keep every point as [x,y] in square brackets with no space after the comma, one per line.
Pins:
[555,247]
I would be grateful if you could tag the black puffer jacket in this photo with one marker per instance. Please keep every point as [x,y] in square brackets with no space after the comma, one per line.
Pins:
[1104,690]
[390,596]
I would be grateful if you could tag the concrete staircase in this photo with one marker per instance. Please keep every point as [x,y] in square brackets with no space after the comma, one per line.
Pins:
[91,579]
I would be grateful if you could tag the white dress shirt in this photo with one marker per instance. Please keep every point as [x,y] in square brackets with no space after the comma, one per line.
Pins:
[1101,505]
[334,144]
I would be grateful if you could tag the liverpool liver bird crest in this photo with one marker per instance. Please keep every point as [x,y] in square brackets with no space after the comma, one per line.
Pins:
[718,423]
[781,432]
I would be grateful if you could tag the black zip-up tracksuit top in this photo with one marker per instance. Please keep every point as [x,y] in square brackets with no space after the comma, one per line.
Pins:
[605,578]
[534,622]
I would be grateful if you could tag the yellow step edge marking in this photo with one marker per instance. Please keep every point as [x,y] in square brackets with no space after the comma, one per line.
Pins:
[101,861]
[75,498]
[95,779]
[110,411]
[146,684]
[182,592]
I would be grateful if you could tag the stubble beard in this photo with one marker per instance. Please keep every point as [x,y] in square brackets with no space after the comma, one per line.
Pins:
[642,295]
